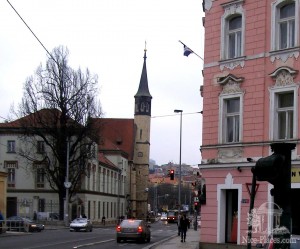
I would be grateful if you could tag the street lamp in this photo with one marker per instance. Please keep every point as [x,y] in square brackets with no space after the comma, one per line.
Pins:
[67,186]
[179,188]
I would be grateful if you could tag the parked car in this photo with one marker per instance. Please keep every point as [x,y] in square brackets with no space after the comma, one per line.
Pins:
[23,224]
[81,224]
[133,230]
[54,216]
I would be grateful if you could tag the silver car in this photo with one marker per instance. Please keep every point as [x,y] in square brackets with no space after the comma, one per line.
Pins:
[81,224]
[130,229]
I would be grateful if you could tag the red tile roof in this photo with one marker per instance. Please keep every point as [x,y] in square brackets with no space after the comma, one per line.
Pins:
[117,134]
[45,116]
[103,160]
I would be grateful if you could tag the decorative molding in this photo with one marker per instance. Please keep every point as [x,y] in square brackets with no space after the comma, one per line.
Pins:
[284,76]
[278,70]
[207,4]
[230,153]
[284,55]
[229,181]
[233,6]
[231,64]
[231,87]
[212,160]
[228,78]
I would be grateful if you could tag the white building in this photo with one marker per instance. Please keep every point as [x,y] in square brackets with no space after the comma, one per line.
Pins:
[101,192]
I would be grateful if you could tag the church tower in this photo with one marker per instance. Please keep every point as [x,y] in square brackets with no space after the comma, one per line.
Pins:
[142,120]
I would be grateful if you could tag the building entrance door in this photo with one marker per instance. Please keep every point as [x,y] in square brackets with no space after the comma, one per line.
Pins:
[11,206]
[231,221]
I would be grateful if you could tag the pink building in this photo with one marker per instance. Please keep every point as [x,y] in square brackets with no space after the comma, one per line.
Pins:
[250,100]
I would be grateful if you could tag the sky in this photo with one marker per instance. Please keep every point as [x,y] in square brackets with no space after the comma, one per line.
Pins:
[108,37]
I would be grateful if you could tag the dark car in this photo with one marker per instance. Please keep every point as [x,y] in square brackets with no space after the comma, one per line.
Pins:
[81,224]
[23,224]
[130,229]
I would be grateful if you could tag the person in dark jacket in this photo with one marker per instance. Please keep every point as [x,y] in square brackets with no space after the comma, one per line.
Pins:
[1,221]
[183,227]
[178,224]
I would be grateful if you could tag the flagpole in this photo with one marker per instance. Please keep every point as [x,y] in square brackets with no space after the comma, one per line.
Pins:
[191,50]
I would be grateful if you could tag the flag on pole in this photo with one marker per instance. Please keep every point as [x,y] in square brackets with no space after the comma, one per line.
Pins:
[187,51]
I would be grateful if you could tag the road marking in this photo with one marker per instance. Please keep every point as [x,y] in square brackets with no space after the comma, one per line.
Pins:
[55,244]
[93,243]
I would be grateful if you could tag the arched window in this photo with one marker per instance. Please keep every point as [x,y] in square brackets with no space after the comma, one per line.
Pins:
[234,37]
[286,26]
[284,29]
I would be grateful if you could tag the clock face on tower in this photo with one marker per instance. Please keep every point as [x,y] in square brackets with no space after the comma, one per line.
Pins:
[143,107]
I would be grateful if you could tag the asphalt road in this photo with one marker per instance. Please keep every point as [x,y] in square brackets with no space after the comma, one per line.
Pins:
[103,238]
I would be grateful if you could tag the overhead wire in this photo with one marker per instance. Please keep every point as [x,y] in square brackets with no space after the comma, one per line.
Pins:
[31,30]
[169,115]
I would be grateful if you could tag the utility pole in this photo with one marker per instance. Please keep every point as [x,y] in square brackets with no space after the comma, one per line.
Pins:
[67,186]
[180,145]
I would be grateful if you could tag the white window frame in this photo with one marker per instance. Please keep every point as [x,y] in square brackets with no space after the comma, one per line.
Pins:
[237,39]
[273,113]
[40,147]
[275,29]
[231,10]
[40,177]
[11,177]
[11,146]
[222,118]
[11,167]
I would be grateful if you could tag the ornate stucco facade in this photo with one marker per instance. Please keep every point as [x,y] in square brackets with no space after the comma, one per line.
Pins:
[250,100]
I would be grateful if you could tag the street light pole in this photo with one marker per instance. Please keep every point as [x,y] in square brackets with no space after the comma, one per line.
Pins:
[180,145]
[67,186]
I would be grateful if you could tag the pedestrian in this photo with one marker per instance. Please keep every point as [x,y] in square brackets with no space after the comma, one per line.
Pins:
[183,227]
[34,216]
[178,224]
[1,221]
[103,220]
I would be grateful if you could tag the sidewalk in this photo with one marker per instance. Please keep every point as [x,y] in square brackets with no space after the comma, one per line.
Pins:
[191,242]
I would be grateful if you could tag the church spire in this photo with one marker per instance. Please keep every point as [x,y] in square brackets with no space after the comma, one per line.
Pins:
[143,87]
[143,96]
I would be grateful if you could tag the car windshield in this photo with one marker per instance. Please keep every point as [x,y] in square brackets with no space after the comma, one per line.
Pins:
[80,220]
[130,223]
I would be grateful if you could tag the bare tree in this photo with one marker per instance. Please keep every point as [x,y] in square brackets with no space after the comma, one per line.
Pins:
[57,108]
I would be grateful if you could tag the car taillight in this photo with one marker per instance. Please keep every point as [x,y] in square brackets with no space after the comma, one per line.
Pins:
[118,229]
[140,229]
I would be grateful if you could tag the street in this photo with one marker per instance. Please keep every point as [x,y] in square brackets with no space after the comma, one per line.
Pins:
[99,237]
